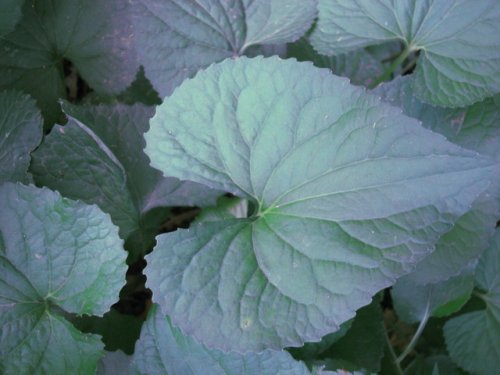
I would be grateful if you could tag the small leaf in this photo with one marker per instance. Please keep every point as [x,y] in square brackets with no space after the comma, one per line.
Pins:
[177,38]
[349,195]
[163,349]
[99,159]
[94,35]
[457,39]
[414,302]
[359,66]
[20,133]
[56,256]
[10,13]
[473,339]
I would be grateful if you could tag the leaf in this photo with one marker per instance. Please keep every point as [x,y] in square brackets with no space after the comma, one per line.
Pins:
[94,35]
[457,39]
[476,128]
[348,197]
[163,349]
[175,39]
[359,66]
[20,133]
[366,332]
[10,13]
[98,157]
[56,256]
[415,302]
[472,339]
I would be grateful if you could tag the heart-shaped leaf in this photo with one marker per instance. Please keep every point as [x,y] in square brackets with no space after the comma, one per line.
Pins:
[176,38]
[95,36]
[348,195]
[459,61]
[56,256]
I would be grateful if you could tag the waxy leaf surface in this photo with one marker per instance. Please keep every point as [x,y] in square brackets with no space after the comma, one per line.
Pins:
[95,36]
[176,38]
[459,61]
[163,349]
[20,133]
[473,339]
[56,255]
[348,193]
[98,157]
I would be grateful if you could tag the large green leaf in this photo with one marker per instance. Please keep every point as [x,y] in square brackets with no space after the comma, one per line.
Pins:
[163,349]
[20,133]
[98,157]
[348,195]
[475,127]
[473,339]
[10,13]
[458,41]
[56,255]
[176,38]
[94,35]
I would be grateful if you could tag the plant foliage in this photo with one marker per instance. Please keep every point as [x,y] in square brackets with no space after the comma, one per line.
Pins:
[249,187]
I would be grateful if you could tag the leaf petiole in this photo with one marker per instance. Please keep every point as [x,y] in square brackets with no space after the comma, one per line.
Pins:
[395,64]
[417,334]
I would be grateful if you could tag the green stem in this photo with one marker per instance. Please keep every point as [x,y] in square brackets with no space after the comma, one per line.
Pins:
[396,369]
[395,64]
[416,336]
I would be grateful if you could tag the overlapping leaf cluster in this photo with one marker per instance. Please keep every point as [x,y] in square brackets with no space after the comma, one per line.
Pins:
[359,144]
